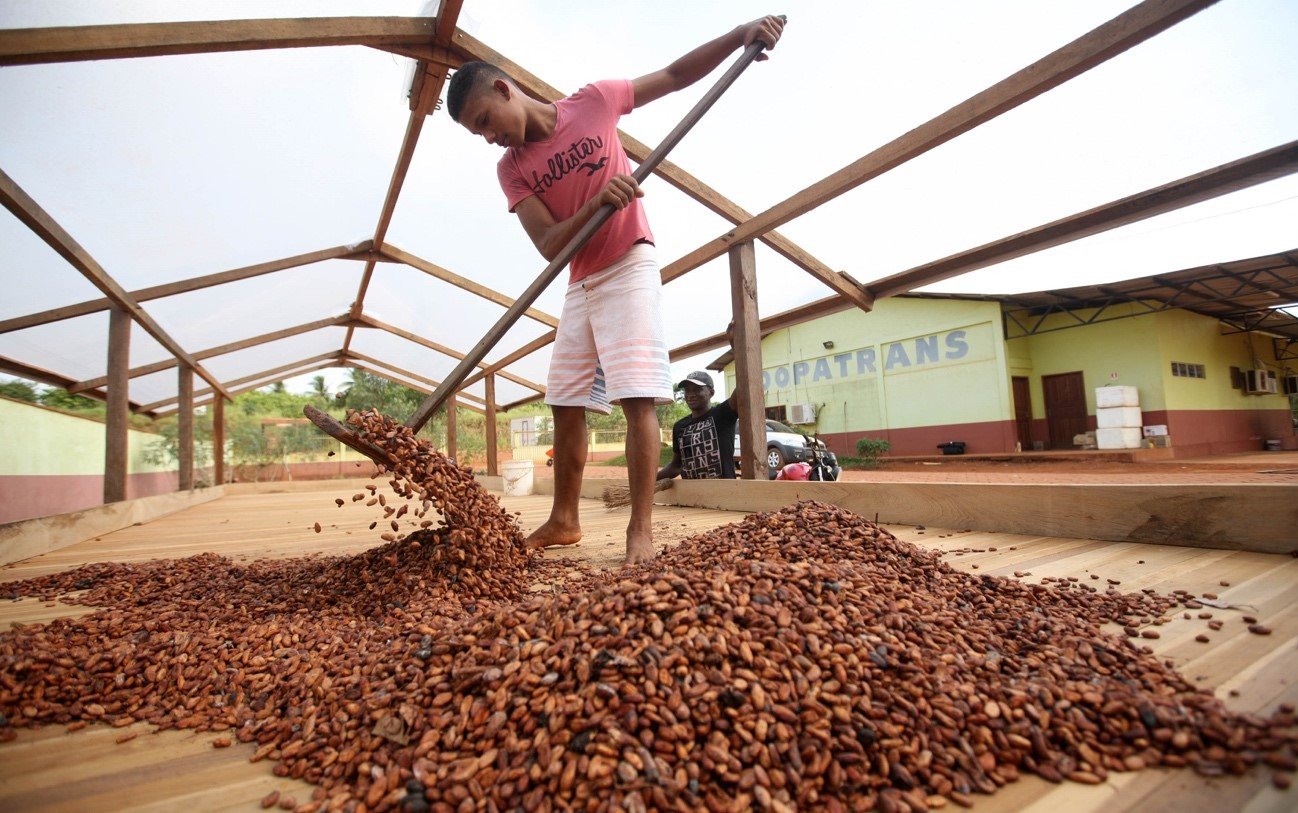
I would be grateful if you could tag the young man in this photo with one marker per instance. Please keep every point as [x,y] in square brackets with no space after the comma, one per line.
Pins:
[703,442]
[562,162]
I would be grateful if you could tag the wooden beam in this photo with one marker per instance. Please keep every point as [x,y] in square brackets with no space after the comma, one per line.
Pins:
[117,454]
[424,100]
[54,235]
[1254,169]
[673,174]
[186,285]
[1123,32]
[32,46]
[464,283]
[354,356]
[1219,516]
[432,54]
[258,384]
[218,442]
[332,355]
[522,352]
[534,86]
[242,344]
[185,428]
[440,348]
[493,465]
[789,318]
[748,363]
[13,367]
[452,427]
[414,386]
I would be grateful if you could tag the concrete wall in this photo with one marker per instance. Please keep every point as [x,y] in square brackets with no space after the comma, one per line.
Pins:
[52,463]
[918,372]
[1203,416]
[914,372]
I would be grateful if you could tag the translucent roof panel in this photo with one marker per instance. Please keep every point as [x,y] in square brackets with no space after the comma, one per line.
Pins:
[36,277]
[435,309]
[173,166]
[233,366]
[238,310]
[76,348]
[169,167]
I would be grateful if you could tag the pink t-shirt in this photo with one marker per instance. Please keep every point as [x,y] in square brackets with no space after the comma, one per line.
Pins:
[573,165]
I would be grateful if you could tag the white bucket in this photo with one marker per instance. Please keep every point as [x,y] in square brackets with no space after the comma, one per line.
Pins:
[517,475]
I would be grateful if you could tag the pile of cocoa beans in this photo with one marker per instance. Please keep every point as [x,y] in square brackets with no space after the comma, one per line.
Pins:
[803,659]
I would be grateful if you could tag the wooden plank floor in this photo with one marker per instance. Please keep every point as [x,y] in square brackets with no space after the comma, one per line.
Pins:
[50,770]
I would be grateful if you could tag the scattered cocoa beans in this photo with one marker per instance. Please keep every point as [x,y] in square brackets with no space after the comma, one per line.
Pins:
[796,660]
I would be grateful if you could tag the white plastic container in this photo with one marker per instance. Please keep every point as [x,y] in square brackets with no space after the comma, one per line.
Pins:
[1125,437]
[1116,396]
[1155,431]
[1117,417]
[517,476]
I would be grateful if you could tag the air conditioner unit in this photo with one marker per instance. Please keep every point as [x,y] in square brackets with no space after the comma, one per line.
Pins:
[1291,385]
[802,413]
[1259,382]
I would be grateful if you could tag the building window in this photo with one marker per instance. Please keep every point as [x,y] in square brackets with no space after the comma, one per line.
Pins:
[1183,370]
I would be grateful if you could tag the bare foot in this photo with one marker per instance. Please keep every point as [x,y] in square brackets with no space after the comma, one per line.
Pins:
[639,548]
[553,534]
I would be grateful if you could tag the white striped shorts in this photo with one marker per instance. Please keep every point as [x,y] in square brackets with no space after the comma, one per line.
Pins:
[609,344]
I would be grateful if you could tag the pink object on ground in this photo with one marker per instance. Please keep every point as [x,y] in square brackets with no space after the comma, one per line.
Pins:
[795,471]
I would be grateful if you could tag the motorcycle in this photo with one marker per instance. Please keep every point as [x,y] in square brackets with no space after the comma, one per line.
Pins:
[818,457]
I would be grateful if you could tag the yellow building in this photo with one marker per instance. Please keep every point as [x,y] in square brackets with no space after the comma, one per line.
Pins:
[1021,371]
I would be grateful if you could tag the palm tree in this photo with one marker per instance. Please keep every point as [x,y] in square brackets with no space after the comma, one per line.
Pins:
[319,387]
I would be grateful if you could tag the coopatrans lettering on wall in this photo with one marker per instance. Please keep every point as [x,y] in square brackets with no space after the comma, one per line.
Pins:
[934,350]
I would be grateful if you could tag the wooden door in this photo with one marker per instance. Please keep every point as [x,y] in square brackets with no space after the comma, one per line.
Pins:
[1065,396]
[1023,411]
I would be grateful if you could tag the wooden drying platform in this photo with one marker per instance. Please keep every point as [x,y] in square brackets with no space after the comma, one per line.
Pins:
[50,770]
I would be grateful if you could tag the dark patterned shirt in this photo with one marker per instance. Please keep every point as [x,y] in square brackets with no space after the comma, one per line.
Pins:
[706,445]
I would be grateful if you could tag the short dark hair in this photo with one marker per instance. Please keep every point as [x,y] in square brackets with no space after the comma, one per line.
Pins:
[468,80]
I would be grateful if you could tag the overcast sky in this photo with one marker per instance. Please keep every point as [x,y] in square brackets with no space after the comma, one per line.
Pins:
[168,167]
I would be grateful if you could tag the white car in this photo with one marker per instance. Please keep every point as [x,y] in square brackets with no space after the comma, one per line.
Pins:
[785,446]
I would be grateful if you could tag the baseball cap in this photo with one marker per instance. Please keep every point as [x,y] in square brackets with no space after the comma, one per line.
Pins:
[698,377]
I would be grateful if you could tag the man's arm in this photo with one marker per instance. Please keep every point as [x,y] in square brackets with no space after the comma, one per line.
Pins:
[699,63]
[672,469]
[550,235]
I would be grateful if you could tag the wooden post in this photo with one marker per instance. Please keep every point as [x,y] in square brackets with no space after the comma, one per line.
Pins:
[218,441]
[451,428]
[748,362]
[185,437]
[116,453]
[492,467]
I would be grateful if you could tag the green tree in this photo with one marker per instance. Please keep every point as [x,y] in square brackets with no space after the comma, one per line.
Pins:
[270,402]
[19,391]
[319,387]
[59,398]
[165,448]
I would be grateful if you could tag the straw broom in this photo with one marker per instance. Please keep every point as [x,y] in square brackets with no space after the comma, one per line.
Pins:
[619,496]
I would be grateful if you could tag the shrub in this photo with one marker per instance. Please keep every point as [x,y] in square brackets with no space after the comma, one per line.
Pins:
[870,449]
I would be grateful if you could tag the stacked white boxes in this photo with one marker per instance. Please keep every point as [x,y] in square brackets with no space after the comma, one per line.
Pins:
[1117,418]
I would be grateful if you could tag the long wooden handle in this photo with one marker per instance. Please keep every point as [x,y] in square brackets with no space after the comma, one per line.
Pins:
[525,300]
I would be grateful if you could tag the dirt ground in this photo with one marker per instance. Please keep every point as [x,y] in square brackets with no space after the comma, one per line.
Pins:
[1249,467]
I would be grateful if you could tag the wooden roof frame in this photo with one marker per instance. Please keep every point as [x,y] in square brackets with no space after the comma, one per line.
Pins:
[56,237]
[439,46]
[12,367]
